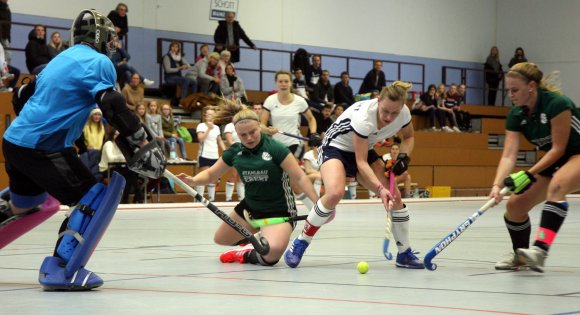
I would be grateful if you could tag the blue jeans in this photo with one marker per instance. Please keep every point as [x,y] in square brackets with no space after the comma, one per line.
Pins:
[185,83]
[181,145]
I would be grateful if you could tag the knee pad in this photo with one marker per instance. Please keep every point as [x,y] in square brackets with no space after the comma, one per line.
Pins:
[88,222]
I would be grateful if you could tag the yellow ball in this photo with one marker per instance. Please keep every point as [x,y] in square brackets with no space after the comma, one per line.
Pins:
[362,267]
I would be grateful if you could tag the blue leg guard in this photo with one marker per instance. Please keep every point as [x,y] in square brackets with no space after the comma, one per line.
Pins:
[85,228]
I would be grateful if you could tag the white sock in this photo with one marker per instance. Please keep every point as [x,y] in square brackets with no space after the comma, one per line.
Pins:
[352,189]
[317,184]
[241,190]
[200,190]
[316,218]
[211,192]
[309,204]
[401,228]
[372,194]
[229,191]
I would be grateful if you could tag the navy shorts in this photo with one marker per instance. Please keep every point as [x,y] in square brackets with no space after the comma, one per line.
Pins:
[206,162]
[297,150]
[348,159]
[549,172]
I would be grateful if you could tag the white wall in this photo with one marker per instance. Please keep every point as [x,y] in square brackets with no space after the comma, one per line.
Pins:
[549,32]
[459,30]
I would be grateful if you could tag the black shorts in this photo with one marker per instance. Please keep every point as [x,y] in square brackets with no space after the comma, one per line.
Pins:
[549,172]
[297,150]
[240,207]
[348,159]
[206,162]
[33,172]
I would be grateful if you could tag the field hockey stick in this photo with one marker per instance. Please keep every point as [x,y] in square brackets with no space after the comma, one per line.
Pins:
[294,136]
[258,223]
[260,245]
[389,225]
[447,240]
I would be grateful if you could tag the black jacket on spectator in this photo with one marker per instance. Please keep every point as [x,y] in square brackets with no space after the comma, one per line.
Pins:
[221,36]
[343,95]
[5,21]
[36,52]
[309,73]
[322,93]
[321,124]
[368,85]
[300,60]
[120,22]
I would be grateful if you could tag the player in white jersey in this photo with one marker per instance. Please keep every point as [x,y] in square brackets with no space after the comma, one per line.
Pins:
[209,137]
[347,151]
[231,137]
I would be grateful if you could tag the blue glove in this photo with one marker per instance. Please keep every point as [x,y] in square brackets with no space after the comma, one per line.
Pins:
[401,164]
[519,182]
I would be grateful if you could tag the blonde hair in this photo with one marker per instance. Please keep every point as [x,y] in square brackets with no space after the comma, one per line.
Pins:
[396,91]
[214,55]
[245,114]
[226,111]
[528,71]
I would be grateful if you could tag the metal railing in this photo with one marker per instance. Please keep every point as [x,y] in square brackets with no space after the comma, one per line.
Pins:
[466,73]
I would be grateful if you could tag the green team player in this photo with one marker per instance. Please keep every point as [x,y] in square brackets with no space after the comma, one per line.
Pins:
[551,121]
[266,168]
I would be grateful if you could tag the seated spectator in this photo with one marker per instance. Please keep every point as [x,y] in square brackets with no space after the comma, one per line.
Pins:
[446,104]
[120,20]
[5,74]
[56,45]
[323,92]
[463,118]
[207,73]
[312,169]
[225,57]
[173,63]
[37,55]
[404,178]
[323,120]
[124,70]
[343,91]
[154,122]
[426,105]
[462,90]
[258,108]
[93,132]
[134,92]
[112,154]
[203,51]
[232,87]
[313,72]
[338,110]
[298,84]
[170,131]
[141,112]
[374,80]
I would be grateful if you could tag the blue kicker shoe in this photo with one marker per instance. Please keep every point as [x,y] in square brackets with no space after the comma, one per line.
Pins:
[294,254]
[51,277]
[407,259]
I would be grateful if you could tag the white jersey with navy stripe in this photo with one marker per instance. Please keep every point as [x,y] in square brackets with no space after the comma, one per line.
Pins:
[361,118]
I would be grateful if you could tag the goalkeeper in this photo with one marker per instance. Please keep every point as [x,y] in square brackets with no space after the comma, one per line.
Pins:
[551,121]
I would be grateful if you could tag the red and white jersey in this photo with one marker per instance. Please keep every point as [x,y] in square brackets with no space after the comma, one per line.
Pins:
[361,118]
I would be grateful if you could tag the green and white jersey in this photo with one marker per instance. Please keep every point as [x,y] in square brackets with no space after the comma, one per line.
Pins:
[537,127]
[267,184]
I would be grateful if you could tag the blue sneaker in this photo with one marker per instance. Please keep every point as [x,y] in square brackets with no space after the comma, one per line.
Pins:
[407,259]
[294,254]
[52,278]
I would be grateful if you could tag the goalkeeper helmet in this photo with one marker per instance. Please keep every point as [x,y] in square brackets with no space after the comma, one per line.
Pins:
[95,30]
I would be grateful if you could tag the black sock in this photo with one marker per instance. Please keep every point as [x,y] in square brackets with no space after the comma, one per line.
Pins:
[253,257]
[519,233]
[553,216]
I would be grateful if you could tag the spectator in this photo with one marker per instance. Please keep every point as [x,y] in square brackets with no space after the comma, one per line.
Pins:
[207,73]
[493,74]
[312,169]
[124,70]
[93,133]
[338,110]
[462,90]
[298,84]
[170,132]
[154,122]
[119,19]
[227,36]
[343,92]
[211,141]
[37,54]
[323,92]
[173,63]
[519,56]
[5,73]
[313,72]
[405,177]
[141,112]
[5,28]
[232,87]
[426,105]
[134,92]
[203,51]
[225,58]
[257,108]
[323,120]
[450,106]
[374,80]
[56,45]
[300,60]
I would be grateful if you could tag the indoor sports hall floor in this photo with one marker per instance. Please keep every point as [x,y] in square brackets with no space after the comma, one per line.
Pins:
[160,259]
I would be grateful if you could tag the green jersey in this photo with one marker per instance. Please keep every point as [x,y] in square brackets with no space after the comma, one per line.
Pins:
[267,184]
[537,127]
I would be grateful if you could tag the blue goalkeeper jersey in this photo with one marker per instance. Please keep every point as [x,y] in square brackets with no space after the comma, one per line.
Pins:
[54,117]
